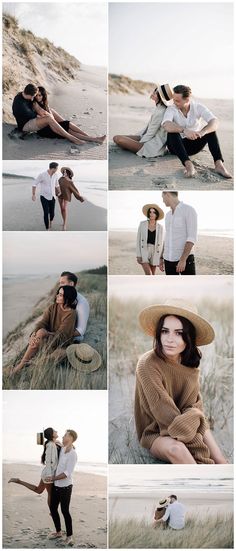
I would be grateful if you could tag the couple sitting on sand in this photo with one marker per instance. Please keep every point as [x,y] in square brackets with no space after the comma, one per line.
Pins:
[183,125]
[63,322]
[174,254]
[170,513]
[59,461]
[33,114]
[49,187]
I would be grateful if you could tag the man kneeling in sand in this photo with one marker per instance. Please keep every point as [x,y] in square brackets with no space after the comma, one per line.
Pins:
[29,115]
[62,487]
[187,134]
[174,514]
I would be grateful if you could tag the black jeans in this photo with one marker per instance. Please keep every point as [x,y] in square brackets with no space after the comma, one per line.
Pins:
[183,147]
[170,267]
[61,496]
[48,209]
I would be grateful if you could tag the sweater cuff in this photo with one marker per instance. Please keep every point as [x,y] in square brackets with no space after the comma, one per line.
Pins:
[184,427]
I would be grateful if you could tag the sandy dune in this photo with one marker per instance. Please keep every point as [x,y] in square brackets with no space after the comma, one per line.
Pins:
[83,102]
[26,520]
[214,255]
[128,114]
[21,214]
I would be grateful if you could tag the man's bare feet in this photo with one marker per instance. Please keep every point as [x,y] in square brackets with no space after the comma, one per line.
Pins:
[190,170]
[16,480]
[220,169]
[55,535]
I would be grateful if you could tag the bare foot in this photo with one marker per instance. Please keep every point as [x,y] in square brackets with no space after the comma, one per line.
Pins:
[64,227]
[220,169]
[100,139]
[190,170]
[16,480]
[55,535]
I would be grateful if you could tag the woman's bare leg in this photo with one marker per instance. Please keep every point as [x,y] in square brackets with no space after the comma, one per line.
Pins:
[49,491]
[50,121]
[146,268]
[128,143]
[76,131]
[215,452]
[63,207]
[32,349]
[169,449]
[153,269]
[37,489]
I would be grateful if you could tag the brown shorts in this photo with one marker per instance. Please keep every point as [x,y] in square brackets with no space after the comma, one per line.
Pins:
[31,126]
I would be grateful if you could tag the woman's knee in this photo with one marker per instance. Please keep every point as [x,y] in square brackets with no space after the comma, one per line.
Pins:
[117,139]
[41,333]
[176,450]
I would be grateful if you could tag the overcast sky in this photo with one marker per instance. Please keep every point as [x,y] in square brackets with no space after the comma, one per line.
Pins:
[83,170]
[80,28]
[214,210]
[27,412]
[180,43]
[48,252]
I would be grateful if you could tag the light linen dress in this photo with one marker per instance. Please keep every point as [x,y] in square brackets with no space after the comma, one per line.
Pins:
[154,136]
[51,461]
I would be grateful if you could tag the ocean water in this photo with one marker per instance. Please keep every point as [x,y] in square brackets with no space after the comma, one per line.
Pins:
[151,487]
[82,467]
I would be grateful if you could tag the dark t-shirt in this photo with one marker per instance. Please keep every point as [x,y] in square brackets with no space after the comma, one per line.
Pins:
[22,110]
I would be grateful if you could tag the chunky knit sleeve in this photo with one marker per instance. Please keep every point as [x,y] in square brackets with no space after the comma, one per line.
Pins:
[65,332]
[44,323]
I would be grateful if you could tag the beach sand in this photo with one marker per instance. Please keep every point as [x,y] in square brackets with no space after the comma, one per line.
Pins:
[26,519]
[84,102]
[20,213]
[20,296]
[214,255]
[135,505]
[128,114]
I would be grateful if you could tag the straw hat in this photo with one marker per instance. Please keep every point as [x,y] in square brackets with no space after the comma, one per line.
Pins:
[69,170]
[153,206]
[165,92]
[163,502]
[83,357]
[149,317]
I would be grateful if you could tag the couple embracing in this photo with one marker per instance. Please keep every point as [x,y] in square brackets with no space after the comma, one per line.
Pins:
[181,124]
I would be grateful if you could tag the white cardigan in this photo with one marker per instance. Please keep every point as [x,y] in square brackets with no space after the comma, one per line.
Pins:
[154,136]
[142,247]
[51,460]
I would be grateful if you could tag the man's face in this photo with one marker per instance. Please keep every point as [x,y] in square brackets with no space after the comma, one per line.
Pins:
[166,199]
[65,281]
[53,170]
[67,439]
[31,98]
[172,500]
[180,102]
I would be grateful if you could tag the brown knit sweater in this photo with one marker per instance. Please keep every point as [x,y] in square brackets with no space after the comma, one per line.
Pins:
[168,403]
[67,187]
[60,322]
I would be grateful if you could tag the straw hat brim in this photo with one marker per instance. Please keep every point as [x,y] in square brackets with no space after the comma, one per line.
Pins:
[169,92]
[79,365]
[149,317]
[153,206]
[163,502]
[69,170]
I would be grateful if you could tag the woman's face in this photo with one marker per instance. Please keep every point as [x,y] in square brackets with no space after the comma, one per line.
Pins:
[55,435]
[153,96]
[39,97]
[152,214]
[60,297]
[172,338]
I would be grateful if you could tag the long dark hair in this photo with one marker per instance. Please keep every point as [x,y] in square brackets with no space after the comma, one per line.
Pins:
[156,213]
[190,356]
[159,100]
[48,434]
[44,102]
[70,296]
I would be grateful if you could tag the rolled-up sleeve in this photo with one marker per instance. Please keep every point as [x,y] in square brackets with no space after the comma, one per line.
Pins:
[166,515]
[191,223]
[37,180]
[205,113]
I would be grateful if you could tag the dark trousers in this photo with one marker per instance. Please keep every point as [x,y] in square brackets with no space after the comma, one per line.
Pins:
[48,209]
[170,267]
[61,496]
[183,147]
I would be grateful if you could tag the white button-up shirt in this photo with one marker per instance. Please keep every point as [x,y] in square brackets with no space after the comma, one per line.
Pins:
[196,118]
[66,465]
[175,512]
[47,184]
[82,310]
[181,226]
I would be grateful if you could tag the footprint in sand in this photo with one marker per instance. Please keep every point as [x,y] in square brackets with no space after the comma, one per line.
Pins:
[164,183]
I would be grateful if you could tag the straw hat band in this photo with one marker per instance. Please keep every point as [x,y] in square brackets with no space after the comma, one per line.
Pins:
[80,355]
[164,88]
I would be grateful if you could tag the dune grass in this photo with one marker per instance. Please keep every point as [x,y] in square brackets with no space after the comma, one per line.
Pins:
[210,532]
[127,343]
[44,373]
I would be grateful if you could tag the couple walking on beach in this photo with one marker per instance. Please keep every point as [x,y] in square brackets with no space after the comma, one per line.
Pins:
[33,114]
[60,331]
[174,254]
[179,125]
[170,513]
[59,462]
[51,186]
